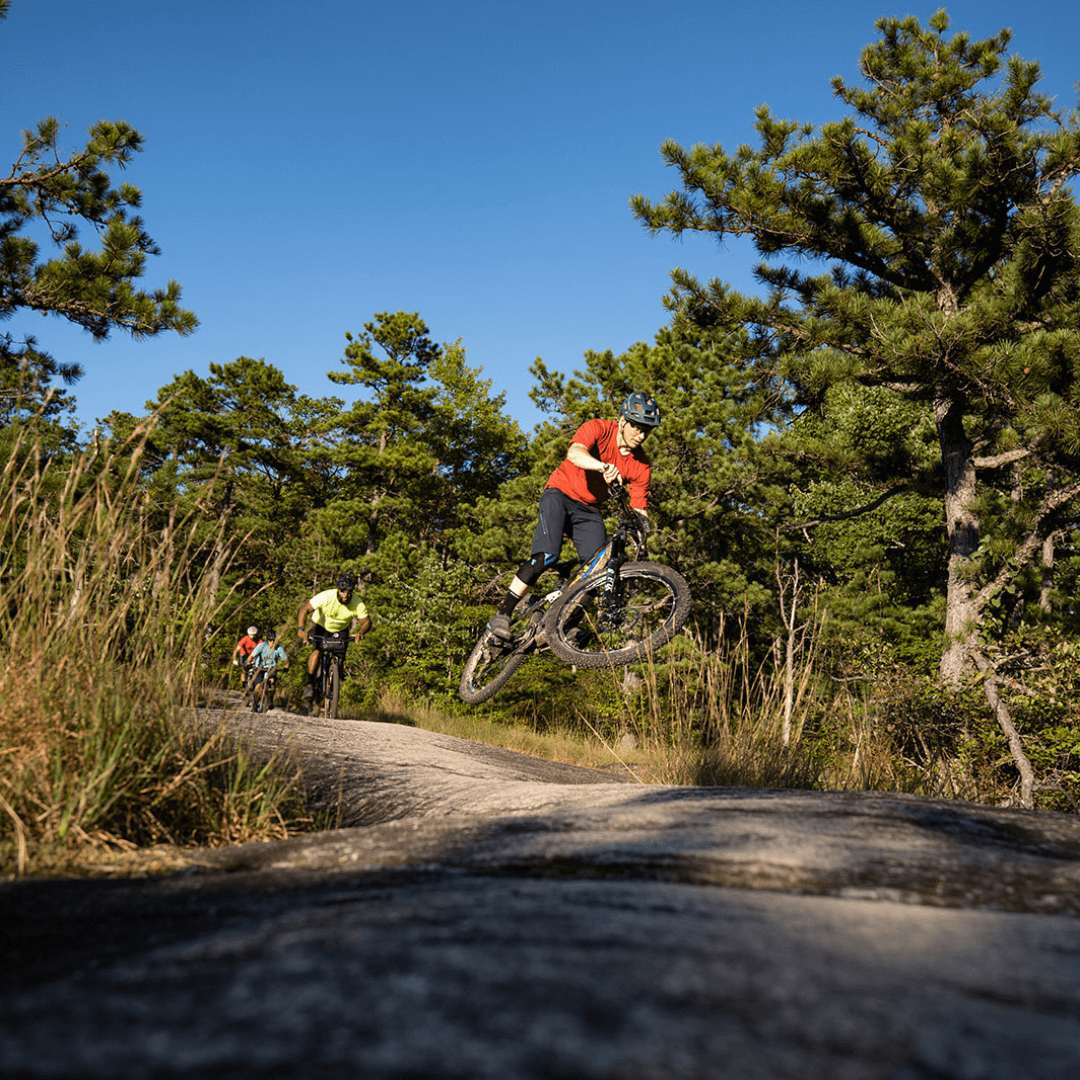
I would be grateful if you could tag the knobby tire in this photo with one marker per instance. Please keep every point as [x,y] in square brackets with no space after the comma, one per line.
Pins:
[492,662]
[333,689]
[583,630]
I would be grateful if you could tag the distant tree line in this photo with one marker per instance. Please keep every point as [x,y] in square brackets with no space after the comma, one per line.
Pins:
[885,440]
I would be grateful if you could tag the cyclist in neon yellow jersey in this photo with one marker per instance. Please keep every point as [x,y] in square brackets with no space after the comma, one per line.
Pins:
[332,613]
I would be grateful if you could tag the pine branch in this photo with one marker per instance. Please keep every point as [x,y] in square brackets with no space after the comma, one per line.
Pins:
[870,506]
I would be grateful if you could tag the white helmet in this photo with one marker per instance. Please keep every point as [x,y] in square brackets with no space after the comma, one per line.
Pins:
[252,631]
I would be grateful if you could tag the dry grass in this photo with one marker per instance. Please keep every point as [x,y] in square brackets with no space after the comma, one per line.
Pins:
[105,606]
[565,746]
[694,716]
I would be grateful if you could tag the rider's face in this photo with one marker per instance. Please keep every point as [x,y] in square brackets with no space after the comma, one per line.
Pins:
[631,434]
[344,595]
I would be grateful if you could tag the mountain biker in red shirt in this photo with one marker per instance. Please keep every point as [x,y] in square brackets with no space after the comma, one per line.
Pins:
[241,655]
[602,452]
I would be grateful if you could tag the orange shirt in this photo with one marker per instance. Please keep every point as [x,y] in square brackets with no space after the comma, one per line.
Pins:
[246,645]
[600,438]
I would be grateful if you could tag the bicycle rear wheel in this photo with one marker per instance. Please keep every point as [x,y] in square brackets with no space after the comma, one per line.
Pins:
[492,662]
[651,602]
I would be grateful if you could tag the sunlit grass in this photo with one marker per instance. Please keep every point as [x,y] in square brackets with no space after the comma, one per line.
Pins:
[719,717]
[106,603]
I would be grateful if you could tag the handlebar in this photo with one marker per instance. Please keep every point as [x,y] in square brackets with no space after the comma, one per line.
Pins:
[628,516]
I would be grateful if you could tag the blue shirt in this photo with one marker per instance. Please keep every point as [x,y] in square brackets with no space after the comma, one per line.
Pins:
[264,657]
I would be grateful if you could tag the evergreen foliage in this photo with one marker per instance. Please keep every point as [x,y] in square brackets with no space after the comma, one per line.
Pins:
[940,232]
[881,446]
[49,193]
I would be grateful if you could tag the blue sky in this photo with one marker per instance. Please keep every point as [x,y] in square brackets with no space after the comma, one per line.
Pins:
[308,165]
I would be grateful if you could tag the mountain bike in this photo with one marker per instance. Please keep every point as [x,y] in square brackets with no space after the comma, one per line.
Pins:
[262,695]
[330,675]
[608,611]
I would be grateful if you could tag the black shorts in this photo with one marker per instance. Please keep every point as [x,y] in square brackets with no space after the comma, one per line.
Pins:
[562,516]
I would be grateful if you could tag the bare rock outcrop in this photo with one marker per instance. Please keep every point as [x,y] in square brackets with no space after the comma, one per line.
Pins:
[483,914]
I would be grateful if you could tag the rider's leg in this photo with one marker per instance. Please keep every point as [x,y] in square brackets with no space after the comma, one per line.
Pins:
[547,542]
[524,579]
[312,674]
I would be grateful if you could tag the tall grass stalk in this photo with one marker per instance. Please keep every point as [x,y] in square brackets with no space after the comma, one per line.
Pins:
[106,603]
[723,718]
[720,718]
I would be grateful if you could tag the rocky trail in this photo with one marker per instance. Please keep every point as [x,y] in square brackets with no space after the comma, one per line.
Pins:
[482,914]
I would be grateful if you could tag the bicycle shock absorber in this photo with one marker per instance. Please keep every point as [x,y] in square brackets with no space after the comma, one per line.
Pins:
[609,584]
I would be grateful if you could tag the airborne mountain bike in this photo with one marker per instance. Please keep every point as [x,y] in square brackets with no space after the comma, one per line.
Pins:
[608,611]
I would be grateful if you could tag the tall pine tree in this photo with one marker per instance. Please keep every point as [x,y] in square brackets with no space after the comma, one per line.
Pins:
[929,243]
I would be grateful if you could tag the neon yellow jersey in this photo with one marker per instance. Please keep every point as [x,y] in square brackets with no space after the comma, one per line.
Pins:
[332,615]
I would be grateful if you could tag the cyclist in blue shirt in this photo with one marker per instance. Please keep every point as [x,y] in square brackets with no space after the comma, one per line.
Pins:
[266,655]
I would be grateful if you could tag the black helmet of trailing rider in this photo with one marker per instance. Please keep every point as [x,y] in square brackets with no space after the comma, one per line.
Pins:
[641,410]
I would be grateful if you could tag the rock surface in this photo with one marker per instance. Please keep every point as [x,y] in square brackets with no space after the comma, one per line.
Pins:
[484,914]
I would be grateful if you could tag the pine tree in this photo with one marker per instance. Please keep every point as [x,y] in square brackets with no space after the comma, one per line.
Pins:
[944,264]
[92,289]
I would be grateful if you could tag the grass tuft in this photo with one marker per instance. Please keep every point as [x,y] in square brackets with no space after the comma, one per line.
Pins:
[106,604]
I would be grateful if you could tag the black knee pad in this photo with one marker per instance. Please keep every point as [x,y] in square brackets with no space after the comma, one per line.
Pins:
[536,565]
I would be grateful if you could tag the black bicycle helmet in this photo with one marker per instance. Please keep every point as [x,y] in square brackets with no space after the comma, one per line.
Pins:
[346,583]
[641,410]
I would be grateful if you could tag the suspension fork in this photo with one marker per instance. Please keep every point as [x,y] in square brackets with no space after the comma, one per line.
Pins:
[612,581]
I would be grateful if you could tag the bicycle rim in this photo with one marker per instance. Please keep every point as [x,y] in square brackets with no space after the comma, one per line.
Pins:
[333,689]
[491,663]
[584,629]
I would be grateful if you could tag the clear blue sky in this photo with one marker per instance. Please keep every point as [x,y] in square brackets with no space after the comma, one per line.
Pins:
[308,165]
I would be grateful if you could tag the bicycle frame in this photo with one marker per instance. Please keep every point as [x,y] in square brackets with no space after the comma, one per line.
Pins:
[613,589]
[263,688]
[329,687]
[609,559]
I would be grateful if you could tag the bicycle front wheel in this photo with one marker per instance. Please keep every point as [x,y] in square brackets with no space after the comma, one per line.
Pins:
[649,604]
[333,690]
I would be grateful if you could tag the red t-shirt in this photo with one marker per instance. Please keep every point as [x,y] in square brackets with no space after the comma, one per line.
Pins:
[601,439]
[245,645]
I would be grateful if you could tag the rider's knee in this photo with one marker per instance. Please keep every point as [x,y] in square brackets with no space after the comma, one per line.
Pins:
[536,565]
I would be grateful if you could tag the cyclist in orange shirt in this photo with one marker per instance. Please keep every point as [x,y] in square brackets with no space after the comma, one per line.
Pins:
[602,452]
[241,655]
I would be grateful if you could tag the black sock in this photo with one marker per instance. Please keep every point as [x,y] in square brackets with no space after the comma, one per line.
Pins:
[510,601]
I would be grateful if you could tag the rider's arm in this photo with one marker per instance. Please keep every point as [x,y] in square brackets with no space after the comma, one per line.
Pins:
[579,455]
[362,627]
[302,614]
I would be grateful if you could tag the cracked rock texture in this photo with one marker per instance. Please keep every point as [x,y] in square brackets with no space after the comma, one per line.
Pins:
[484,914]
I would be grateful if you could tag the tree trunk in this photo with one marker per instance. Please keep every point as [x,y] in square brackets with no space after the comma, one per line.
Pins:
[962,612]
[788,614]
[1046,584]
[1005,722]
